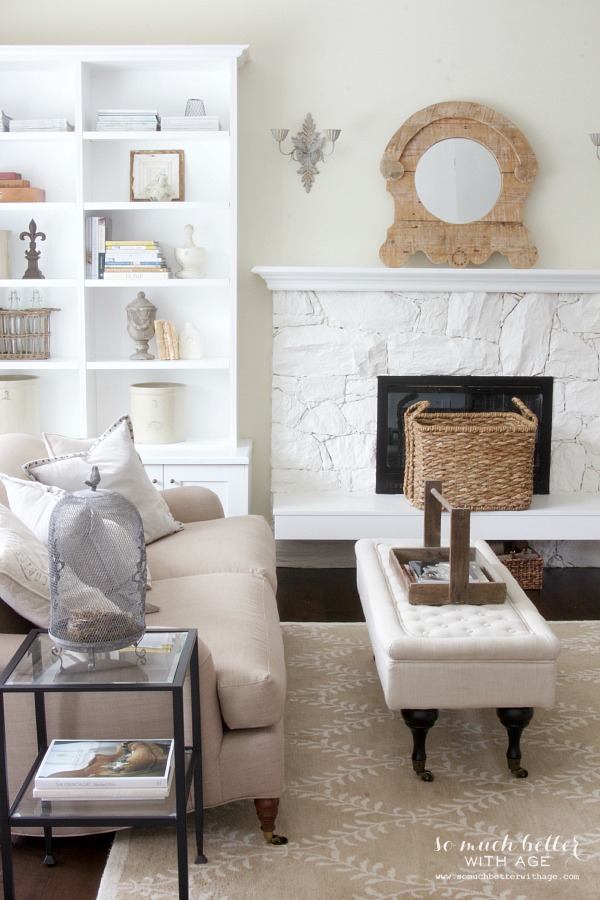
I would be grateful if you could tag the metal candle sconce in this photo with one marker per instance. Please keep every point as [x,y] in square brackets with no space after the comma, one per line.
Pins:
[308,148]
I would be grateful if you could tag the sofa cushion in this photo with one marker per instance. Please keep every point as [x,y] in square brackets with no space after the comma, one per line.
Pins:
[232,544]
[23,570]
[120,470]
[236,617]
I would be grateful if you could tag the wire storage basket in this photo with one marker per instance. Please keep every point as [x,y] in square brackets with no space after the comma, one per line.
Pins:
[25,334]
[484,459]
[97,571]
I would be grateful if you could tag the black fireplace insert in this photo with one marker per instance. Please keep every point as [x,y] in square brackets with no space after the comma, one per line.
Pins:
[462,394]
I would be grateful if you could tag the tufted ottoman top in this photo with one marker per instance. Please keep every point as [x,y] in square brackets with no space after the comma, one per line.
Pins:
[510,630]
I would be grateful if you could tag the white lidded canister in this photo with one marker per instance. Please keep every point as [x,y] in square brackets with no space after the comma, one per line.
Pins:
[158,412]
[19,404]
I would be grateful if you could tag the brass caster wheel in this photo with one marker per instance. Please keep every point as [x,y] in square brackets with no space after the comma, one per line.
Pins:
[516,769]
[420,770]
[277,840]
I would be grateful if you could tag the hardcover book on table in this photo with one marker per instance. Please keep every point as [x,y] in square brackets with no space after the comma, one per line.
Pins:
[111,764]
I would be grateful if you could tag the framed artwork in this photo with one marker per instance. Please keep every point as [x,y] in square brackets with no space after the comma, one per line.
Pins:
[156,175]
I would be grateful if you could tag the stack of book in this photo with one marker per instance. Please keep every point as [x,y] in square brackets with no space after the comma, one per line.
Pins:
[419,571]
[128,120]
[40,125]
[105,770]
[15,189]
[134,260]
[4,121]
[190,123]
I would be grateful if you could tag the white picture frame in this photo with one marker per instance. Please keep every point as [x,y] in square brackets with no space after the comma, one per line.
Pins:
[156,175]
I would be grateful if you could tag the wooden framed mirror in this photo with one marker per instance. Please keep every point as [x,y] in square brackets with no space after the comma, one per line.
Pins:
[458,173]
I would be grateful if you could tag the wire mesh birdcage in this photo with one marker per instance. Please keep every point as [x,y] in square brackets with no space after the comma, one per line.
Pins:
[97,570]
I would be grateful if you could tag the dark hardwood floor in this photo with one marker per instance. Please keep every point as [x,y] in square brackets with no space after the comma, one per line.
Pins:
[304,595]
[330,595]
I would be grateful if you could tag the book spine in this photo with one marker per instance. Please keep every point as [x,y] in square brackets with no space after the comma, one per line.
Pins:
[125,782]
[118,267]
[88,247]
[133,276]
[103,234]
[116,244]
[14,183]
[103,794]
[153,260]
[94,246]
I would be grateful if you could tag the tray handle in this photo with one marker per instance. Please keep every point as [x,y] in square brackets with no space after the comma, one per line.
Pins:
[460,526]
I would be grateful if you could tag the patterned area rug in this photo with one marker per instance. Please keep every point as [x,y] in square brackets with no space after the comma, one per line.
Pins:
[361,824]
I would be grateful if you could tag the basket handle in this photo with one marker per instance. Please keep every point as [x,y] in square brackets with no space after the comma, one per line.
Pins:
[417,408]
[460,524]
[525,411]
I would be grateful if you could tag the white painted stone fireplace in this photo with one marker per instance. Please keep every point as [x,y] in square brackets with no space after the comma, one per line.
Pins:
[335,331]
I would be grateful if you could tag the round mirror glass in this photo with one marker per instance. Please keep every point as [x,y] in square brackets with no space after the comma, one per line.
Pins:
[458,180]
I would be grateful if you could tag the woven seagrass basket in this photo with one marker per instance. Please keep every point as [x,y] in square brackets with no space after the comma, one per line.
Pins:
[484,459]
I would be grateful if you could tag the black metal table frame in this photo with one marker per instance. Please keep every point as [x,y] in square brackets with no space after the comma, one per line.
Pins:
[184,773]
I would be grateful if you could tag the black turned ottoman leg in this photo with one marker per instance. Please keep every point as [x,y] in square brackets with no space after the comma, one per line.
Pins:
[420,721]
[515,719]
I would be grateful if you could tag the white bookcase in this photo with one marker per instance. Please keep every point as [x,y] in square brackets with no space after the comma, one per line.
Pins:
[84,386]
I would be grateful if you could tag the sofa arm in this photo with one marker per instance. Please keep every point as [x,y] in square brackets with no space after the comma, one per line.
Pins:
[193,503]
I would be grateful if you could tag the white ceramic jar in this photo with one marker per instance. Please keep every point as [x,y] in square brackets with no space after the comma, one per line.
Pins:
[158,412]
[19,404]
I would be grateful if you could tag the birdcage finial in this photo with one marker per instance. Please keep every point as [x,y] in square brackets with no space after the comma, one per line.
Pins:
[94,480]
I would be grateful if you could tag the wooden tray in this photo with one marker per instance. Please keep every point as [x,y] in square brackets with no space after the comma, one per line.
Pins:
[459,554]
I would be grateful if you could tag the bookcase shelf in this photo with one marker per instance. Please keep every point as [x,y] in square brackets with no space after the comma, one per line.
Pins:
[84,172]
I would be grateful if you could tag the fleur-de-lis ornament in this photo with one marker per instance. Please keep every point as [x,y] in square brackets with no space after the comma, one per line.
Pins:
[32,254]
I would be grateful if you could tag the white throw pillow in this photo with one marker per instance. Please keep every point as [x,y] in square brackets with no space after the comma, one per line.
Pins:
[24,584]
[120,469]
[60,444]
[32,502]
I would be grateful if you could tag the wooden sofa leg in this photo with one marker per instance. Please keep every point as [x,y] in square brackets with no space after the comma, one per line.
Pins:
[267,810]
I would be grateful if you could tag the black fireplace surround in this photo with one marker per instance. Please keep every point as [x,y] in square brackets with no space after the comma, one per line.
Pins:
[462,394]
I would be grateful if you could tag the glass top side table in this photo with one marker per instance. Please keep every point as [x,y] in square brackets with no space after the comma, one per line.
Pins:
[159,662]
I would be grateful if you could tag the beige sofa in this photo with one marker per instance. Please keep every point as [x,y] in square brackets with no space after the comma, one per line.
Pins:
[217,575]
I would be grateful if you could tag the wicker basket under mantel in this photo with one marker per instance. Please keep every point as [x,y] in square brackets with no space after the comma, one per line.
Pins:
[526,566]
[484,459]
[25,334]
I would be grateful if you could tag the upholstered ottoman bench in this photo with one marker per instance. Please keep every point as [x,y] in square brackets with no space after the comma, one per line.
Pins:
[456,656]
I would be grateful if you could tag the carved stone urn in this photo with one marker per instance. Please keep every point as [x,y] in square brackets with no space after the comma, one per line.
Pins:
[140,325]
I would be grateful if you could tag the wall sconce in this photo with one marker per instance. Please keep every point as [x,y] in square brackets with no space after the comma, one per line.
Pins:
[595,138]
[308,148]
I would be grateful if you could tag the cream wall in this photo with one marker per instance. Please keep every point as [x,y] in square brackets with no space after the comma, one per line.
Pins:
[364,67]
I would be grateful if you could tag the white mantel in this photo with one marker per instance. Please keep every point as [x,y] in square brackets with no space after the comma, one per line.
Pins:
[337,329]
[311,278]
